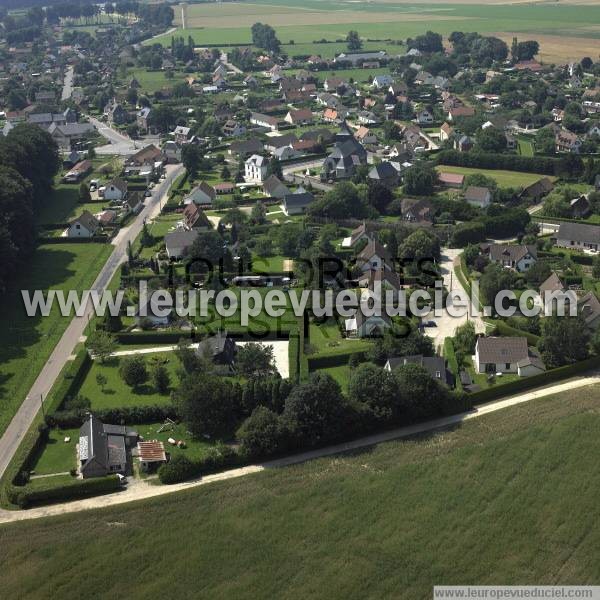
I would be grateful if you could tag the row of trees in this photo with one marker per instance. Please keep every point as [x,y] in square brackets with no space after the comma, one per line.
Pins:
[28,163]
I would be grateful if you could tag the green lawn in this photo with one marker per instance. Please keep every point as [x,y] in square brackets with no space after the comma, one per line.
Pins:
[151,81]
[28,341]
[526,147]
[195,448]
[503,178]
[267,264]
[385,522]
[117,393]
[325,338]
[57,456]
[341,374]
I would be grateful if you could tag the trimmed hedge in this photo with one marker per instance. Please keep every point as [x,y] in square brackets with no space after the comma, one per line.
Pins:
[539,380]
[502,328]
[71,381]
[126,415]
[450,356]
[51,492]
[182,468]
[333,360]
[153,337]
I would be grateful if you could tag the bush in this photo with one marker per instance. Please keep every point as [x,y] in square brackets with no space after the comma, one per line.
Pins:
[179,468]
[261,433]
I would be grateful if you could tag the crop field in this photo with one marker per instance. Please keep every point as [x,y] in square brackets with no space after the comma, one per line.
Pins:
[404,515]
[563,29]
[27,342]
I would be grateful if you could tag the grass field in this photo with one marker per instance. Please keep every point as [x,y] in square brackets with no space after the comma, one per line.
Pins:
[503,178]
[57,456]
[117,393]
[27,342]
[508,498]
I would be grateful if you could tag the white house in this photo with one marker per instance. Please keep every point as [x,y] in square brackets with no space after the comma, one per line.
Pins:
[478,196]
[202,195]
[115,189]
[256,168]
[519,257]
[362,326]
[506,355]
[84,226]
[382,81]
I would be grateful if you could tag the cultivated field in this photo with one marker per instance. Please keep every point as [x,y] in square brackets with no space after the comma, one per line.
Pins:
[510,497]
[565,30]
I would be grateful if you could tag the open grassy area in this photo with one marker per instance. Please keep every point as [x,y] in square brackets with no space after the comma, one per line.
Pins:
[510,497]
[341,374]
[503,178]
[27,342]
[117,393]
[57,456]
[325,338]
[526,147]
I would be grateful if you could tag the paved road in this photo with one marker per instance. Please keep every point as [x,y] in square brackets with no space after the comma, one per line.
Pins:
[68,83]
[119,143]
[75,330]
[447,324]
[143,489]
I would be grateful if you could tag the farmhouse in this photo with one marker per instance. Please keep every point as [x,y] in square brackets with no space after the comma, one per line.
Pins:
[267,121]
[506,355]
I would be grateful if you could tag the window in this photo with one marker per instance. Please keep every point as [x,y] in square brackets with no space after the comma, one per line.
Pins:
[507,366]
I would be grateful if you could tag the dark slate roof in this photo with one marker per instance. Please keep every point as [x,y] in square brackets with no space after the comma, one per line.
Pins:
[435,365]
[580,232]
[301,200]
[502,349]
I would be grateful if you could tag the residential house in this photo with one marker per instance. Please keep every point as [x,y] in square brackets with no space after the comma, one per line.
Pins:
[182,134]
[104,449]
[446,132]
[266,121]
[381,282]
[417,210]
[588,307]
[70,133]
[579,236]
[366,117]
[142,119]
[567,141]
[374,256]
[274,188]
[451,180]
[537,190]
[179,242]
[424,117]
[478,196]
[385,174]
[580,207]
[357,58]
[382,81]
[84,226]
[506,355]
[220,349]
[134,202]
[551,285]
[519,257]
[274,142]
[245,148]
[172,152]
[115,113]
[463,144]
[365,135]
[194,218]
[297,203]
[203,194]
[361,326]
[115,190]
[460,111]
[365,231]
[434,365]
[256,168]
[346,155]
[299,117]
[233,128]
